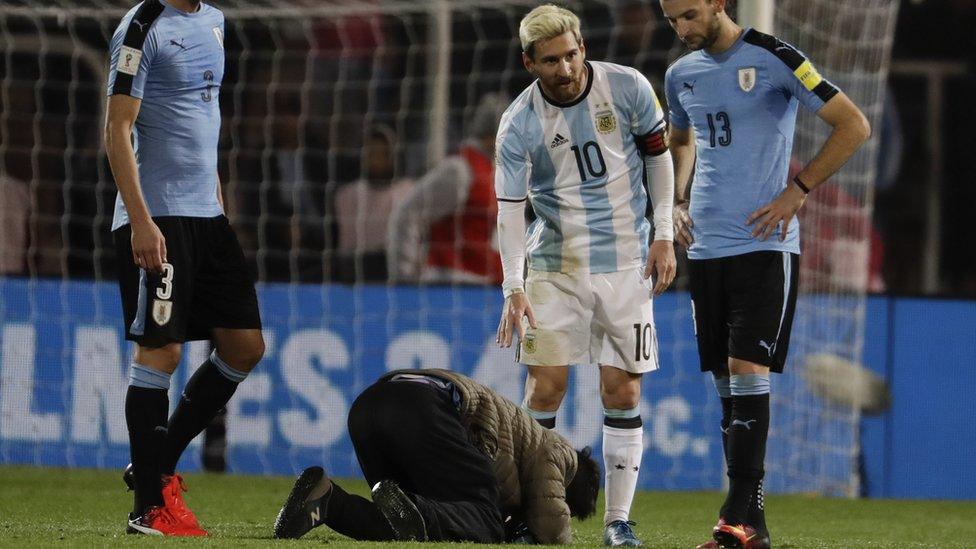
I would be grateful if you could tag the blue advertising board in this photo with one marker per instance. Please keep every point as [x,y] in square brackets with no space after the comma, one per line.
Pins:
[64,369]
[64,372]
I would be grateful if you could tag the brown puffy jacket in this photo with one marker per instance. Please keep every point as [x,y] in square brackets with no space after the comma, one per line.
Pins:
[533,465]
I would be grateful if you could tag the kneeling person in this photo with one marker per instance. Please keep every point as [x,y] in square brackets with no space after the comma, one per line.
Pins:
[448,459]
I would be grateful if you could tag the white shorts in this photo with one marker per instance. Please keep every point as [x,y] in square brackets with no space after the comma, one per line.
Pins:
[589,318]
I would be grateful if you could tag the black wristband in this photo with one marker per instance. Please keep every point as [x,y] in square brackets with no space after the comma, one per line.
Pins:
[804,188]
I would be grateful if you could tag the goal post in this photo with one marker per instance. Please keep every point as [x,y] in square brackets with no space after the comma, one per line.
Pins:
[758,14]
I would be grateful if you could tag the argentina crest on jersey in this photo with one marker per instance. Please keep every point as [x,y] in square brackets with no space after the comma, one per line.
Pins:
[747,79]
[606,122]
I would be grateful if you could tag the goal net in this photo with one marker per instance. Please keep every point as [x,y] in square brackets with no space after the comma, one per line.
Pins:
[333,112]
[814,446]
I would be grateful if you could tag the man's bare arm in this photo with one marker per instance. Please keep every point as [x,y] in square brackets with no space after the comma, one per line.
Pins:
[148,244]
[850,130]
[682,147]
[220,195]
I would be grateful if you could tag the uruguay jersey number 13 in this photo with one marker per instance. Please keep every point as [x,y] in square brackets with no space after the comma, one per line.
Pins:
[722,118]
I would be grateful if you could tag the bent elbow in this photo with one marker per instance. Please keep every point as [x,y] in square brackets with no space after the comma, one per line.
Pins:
[863,128]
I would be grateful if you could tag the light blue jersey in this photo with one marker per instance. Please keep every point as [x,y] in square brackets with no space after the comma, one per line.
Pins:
[742,104]
[581,170]
[174,62]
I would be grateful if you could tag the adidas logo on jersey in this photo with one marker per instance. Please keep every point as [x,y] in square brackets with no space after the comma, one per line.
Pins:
[557,141]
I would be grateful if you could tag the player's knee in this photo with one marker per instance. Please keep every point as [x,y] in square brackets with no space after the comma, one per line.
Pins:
[255,351]
[545,401]
[740,367]
[620,396]
[165,358]
[245,353]
[546,394]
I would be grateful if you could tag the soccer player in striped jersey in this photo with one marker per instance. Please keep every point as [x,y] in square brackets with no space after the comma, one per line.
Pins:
[182,273]
[579,145]
[733,103]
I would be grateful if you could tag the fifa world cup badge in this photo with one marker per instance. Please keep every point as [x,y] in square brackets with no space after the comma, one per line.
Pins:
[747,79]
[162,311]
[529,343]
[606,122]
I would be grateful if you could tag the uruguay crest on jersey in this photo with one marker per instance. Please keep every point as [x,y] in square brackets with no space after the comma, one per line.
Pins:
[747,79]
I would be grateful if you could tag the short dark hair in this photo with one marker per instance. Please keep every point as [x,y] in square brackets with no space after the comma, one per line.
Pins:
[583,490]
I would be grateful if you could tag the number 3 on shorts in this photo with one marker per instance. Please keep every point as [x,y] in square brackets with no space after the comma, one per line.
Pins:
[166,290]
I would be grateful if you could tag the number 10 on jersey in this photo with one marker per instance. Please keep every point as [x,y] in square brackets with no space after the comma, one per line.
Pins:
[595,167]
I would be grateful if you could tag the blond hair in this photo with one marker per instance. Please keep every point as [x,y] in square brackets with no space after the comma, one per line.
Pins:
[545,23]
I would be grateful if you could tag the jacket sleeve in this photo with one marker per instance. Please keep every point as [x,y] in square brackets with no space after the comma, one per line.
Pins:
[544,501]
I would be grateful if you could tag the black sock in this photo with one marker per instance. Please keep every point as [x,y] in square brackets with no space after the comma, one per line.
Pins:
[756,517]
[355,516]
[206,393]
[746,453]
[548,423]
[726,420]
[145,416]
[215,443]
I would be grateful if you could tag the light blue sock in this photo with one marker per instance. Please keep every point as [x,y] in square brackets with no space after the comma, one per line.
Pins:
[722,386]
[546,419]
[148,378]
[225,370]
[749,384]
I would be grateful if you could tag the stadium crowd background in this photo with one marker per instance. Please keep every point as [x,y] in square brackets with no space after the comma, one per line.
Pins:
[324,134]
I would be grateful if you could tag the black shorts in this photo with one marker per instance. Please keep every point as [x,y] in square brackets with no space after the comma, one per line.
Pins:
[743,308]
[205,283]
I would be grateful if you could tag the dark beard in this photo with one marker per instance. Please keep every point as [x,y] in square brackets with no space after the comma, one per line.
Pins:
[709,40]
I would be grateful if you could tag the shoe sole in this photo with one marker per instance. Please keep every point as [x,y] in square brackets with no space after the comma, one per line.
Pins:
[608,543]
[294,508]
[635,543]
[760,542]
[133,528]
[402,514]
[727,540]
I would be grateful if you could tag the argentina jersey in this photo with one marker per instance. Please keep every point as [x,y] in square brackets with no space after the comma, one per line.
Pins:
[742,104]
[581,170]
[174,62]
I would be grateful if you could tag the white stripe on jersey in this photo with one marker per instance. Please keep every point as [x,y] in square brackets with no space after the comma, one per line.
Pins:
[576,238]
[619,192]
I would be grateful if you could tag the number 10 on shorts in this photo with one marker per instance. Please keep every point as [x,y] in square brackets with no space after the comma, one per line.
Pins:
[643,341]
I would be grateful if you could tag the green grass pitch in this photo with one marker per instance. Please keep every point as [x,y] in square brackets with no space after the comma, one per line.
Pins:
[43,507]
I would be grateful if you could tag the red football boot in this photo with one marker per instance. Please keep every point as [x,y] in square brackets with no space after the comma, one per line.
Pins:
[159,521]
[734,536]
[711,544]
[173,488]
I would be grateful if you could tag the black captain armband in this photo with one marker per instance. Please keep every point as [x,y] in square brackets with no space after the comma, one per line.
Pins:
[653,144]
